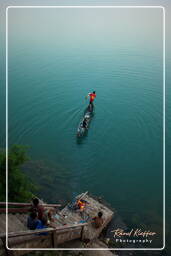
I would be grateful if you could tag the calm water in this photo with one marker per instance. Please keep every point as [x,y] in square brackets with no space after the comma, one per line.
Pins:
[121,157]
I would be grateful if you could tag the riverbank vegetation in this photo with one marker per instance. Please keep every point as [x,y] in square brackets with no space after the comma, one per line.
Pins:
[27,177]
[20,188]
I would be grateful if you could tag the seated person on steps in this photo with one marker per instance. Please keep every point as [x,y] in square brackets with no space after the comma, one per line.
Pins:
[36,207]
[97,221]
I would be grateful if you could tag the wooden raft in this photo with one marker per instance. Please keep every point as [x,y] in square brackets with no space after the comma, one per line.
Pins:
[90,211]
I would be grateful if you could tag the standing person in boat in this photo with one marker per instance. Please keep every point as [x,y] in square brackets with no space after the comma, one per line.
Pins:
[92,96]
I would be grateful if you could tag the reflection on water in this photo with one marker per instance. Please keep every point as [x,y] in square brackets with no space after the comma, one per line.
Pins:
[49,180]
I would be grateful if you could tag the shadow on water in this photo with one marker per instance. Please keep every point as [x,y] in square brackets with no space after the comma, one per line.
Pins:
[80,140]
[81,137]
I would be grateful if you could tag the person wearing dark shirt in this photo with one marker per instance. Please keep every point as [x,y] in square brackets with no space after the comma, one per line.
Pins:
[32,221]
[36,207]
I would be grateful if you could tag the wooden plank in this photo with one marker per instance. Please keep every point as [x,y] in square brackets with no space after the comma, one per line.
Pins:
[27,232]
[15,210]
[82,195]
[71,226]
[45,230]
[82,233]
[28,204]
[54,239]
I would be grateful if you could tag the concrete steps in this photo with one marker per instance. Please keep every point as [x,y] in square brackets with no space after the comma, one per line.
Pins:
[16,222]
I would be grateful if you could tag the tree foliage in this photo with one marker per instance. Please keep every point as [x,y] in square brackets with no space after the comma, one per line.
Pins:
[20,188]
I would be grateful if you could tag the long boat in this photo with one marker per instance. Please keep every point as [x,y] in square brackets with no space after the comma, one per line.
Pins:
[81,131]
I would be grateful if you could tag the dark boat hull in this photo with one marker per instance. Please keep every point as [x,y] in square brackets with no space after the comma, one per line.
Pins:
[81,131]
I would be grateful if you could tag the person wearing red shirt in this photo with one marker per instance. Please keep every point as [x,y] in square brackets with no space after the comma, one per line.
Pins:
[92,98]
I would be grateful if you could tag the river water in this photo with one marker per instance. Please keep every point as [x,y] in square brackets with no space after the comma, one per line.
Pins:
[54,62]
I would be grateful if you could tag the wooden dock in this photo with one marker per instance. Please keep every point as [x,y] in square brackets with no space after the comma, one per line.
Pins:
[69,225]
